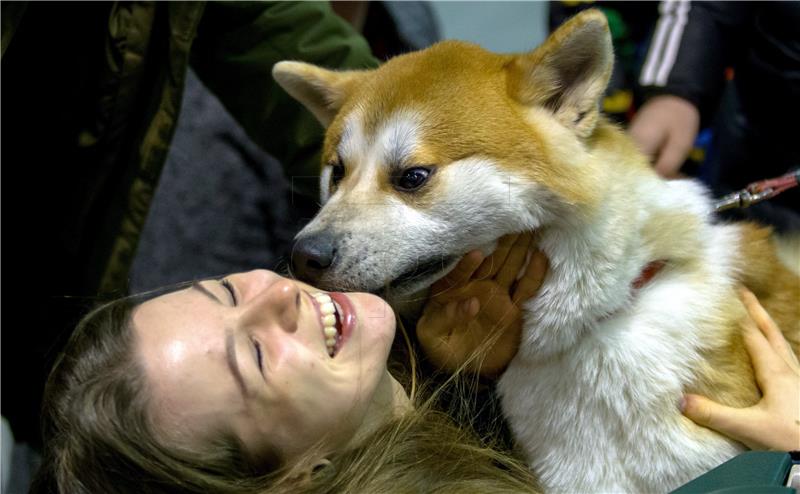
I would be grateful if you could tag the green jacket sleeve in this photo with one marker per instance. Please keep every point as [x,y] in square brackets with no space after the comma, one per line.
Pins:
[11,16]
[236,46]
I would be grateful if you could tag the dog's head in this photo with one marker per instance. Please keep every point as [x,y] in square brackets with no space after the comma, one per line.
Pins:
[442,151]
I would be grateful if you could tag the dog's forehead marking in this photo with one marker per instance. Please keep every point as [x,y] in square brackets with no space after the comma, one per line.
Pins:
[324,180]
[398,138]
[391,143]
[353,140]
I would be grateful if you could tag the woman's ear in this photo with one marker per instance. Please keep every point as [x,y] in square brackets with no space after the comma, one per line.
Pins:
[308,472]
[321,465]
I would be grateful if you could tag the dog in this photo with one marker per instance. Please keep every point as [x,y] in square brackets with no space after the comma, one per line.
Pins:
[444,150]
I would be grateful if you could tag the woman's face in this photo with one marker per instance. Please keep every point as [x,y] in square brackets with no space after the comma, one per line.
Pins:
[250,356]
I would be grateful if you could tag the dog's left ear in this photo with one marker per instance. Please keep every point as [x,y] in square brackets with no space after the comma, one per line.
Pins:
[320,90]
[568,73]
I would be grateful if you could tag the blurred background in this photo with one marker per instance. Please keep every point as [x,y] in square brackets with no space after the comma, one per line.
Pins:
[497,26]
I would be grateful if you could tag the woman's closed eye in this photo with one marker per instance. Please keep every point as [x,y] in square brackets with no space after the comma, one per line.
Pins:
[259,356]
[231,290]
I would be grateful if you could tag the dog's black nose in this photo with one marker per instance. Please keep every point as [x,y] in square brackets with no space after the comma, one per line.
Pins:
[311,256]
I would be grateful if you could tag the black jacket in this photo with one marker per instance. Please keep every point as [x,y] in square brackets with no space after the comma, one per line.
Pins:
[695,42]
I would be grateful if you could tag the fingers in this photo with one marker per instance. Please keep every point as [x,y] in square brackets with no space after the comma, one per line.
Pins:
[460,274]
[495,261]
[765,363]
[441,318]
[767,326]
[733,422]
[647,135]
[529,284]
[514,261]
[768,363]
[671,157]
[665,128]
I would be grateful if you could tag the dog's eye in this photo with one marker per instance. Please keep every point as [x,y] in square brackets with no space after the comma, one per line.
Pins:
[337,172]
[413,178]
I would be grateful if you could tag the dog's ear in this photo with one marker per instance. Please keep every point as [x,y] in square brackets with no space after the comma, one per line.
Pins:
[568,73]
[320,90]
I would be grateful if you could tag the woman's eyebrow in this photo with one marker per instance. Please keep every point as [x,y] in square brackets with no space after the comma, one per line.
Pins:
[197,286]
[230,354]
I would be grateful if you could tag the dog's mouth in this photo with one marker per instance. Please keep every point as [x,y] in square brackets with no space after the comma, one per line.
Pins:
[421,272]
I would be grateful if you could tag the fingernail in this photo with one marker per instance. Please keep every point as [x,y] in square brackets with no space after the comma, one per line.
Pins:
[682,404]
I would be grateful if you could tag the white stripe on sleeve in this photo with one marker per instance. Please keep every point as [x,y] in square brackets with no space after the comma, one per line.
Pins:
[665,42]
[671,53]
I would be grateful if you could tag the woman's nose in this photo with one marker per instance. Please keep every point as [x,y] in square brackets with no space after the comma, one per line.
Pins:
[277,305]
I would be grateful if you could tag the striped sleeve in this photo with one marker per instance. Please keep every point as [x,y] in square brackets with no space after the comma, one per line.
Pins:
[691,46]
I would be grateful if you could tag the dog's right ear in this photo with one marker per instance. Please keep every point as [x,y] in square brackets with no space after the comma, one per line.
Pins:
[320,90]
[568,73]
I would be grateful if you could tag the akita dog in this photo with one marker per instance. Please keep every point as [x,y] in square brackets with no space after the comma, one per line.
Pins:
[442,151]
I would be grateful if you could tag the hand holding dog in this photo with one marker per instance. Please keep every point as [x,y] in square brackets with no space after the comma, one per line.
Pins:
[476,308]
[665,129]
[774,422]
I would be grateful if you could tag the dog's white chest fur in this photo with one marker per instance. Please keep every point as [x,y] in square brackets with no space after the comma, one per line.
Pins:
[592,396]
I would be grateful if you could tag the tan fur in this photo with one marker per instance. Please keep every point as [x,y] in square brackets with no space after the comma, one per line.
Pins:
[454,128]
[777,287]
[726,375]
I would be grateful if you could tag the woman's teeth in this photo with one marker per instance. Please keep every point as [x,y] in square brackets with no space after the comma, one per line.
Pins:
[328,310]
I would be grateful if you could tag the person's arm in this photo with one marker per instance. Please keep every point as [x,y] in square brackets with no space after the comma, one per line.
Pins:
[774,422]
[474,315]
[236,47]
[683,75]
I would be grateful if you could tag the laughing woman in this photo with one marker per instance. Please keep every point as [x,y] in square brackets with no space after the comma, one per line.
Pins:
[259,383]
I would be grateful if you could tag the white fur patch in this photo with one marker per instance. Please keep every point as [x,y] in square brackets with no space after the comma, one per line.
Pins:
[325,183]
[600,369]
[392,143]
[397,139]
[353,143]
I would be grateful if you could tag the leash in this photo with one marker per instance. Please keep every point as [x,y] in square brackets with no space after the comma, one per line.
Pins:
[758,191]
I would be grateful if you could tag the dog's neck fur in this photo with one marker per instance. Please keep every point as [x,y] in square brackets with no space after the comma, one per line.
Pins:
[611,360]
[596,252]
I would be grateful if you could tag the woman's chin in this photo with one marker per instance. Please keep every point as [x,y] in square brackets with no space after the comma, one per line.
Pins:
[374,307]
[373,314]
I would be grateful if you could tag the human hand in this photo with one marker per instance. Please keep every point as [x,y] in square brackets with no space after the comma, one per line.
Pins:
[774,422]
[665,129]
[477,307]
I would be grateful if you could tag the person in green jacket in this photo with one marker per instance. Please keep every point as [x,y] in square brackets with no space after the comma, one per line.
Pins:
[91,94]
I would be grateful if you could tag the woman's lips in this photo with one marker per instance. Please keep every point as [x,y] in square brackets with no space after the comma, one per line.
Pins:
[340,307]
[347,316]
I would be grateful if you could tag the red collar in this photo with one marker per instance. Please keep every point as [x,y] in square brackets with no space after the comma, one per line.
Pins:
[647,274]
